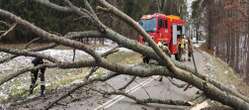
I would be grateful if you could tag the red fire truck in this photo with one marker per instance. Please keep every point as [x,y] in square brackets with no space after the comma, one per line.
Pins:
[167,30]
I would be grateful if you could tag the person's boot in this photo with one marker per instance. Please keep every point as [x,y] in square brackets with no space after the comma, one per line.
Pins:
[42,94]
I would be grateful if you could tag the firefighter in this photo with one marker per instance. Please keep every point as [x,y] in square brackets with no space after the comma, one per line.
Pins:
[34,76]
[181,47]
[182,43]
[190,48]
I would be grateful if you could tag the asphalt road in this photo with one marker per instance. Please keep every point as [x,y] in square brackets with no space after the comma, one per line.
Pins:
[141,88]
[147,88]
[150,88]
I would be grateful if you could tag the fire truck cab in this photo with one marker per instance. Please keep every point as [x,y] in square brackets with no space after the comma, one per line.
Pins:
[168,30]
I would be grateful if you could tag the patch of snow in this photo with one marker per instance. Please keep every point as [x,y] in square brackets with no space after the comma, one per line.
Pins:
[125,50]
[109,42]
[4,96]
[77,81]
[195,44]
[65,55]
[226,72]
[200,106]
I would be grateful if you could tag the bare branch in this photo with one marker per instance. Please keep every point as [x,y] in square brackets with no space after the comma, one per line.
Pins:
[159,52]
[210,87]
[76,35]
[19,72]
[49,36]
[102,79]
[31,42]
[147,101]
[127,84]
[54,6]
[146,36]
[27,53]
[84,63]
[8,31]
[52,45]
[104,55]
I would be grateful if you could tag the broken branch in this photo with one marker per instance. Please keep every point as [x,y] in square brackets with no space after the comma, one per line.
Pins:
[8,31]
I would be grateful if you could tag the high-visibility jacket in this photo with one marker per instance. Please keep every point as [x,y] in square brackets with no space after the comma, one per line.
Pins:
[182,43]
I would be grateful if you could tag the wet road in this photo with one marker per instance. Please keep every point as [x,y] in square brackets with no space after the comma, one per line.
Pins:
[141,88]
[152,88]
[147,88]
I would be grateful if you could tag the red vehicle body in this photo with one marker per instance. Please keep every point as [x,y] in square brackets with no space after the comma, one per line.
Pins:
[164,29]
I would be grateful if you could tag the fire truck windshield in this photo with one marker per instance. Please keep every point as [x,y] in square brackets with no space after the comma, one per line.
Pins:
[149,25]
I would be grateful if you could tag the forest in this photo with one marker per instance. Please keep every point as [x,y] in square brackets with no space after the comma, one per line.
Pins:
[227,28]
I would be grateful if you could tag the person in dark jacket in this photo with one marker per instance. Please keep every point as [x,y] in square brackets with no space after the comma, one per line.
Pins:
[34,76]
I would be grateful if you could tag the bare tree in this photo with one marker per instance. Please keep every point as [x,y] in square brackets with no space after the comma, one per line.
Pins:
[228,32]
[167,67]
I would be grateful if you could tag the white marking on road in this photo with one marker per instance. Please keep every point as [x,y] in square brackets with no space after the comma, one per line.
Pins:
[120,97]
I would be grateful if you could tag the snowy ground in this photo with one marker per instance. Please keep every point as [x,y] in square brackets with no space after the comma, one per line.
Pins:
[22,82]
[62,55]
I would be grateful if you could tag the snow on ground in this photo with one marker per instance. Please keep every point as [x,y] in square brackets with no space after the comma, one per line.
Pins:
[22,62]
[195,44]
[62,55]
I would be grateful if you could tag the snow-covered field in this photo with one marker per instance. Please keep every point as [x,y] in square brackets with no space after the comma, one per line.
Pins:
[22,82]
[65,55]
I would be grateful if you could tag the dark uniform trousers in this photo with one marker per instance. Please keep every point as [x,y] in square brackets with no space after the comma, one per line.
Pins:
[34,77]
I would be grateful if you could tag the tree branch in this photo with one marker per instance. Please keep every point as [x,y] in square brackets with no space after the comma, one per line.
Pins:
[210,87]
[127,84]
[52,45]
[54,6]
[28,53]
[19,72]
[90,81]
[146,101]
[159,52]
[49,36]
[8,31]
[31,42]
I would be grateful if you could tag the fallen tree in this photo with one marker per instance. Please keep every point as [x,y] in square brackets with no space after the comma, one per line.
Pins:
[167,67]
